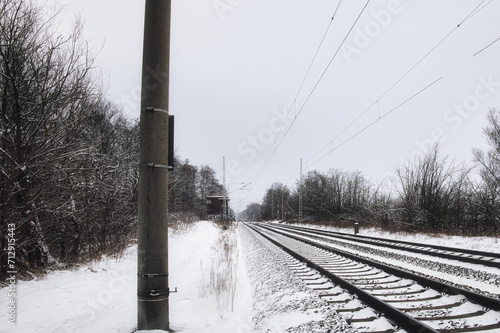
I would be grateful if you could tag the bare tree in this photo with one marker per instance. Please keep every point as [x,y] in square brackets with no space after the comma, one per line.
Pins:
[47,86]
[207,184]
[429,189]
[274,201]
[488,195]
[252,211]
[336,195]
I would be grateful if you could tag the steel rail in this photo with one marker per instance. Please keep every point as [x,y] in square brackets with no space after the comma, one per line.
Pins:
[391,313]
[387,243]
[483,300]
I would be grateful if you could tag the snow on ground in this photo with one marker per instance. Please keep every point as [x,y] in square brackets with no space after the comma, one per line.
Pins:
[214,295]
[282,301]
[482,243]
[222,284]
[467,275]
[226,282]
[101,297]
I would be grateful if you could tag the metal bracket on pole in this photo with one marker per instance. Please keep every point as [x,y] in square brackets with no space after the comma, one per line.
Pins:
[152,109]
[154,294]
[154,165]
[171,146]
[153,275]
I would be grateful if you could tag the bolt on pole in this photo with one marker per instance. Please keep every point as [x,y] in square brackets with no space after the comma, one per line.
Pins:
[152,234]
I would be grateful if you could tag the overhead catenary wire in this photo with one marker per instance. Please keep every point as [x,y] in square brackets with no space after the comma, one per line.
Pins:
[319,47]
[294,104]
[273,151]
[477,9]
[487,46]
[376,102]
[482,5]
[364,128]
[376,121]
[469,16]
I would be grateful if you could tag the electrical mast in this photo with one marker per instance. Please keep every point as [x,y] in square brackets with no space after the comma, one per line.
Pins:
[224,198]
[152,228]
[272,202]
[300,193]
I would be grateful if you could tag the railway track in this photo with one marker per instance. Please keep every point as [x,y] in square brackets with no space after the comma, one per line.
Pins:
[490,259]
[378,298]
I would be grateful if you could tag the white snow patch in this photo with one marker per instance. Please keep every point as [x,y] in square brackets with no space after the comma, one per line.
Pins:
[101,297]
[479,243]
[282,301]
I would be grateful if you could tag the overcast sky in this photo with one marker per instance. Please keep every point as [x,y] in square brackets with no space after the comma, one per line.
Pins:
[237,68]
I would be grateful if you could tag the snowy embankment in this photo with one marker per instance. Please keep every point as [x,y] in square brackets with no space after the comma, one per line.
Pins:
[226,282]
[101,296]
[478,278]
[479,243]
[282,301]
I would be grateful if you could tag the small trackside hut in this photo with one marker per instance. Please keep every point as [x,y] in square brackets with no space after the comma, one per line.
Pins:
[217,207]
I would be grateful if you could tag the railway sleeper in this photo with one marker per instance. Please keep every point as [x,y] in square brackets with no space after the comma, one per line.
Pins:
[382,281]
[440,318]
[339,270]
[385,286]
[426,307]
[377,325]
[375,305]
[489,322]
[404,291]
[490,328]
[450,317]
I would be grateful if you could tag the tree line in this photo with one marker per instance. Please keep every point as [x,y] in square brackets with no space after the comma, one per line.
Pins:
[69,157]
[430,193]
[189,185]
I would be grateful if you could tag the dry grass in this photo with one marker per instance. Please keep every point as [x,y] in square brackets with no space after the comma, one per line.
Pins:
[223,271]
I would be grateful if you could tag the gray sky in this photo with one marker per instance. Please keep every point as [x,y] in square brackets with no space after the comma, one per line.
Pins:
[237,68]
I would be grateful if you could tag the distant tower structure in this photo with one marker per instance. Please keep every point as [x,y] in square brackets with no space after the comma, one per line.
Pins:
[272,202]
[300,193]
[224,194]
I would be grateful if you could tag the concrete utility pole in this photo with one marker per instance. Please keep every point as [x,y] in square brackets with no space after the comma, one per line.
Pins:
[152,256]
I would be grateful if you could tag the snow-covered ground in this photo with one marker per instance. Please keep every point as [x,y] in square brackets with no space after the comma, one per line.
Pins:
[223,286]
[489,244]
[101,297]
[467,275]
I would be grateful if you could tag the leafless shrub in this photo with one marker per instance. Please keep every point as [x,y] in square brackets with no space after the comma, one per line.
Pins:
[223,273]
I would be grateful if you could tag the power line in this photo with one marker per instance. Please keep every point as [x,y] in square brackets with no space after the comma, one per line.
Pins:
[323,74]
[477,9]
[377,120]
[469,16]
[266,162]
[484,48]
[345,129]
[303,80]
[369,125]
[319,47]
